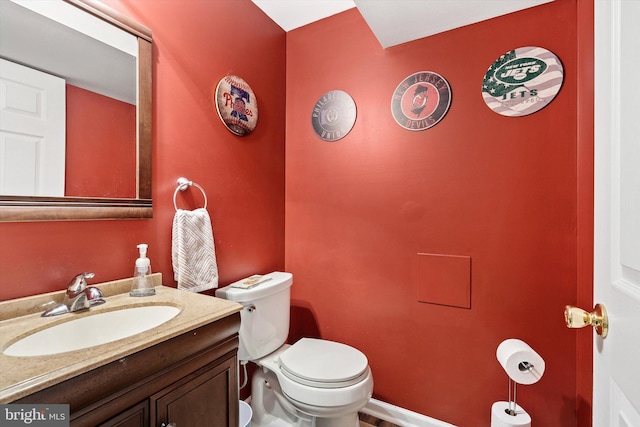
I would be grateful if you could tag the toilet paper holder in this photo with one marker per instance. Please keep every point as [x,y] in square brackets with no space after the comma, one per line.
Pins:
[509,410]
[523,365]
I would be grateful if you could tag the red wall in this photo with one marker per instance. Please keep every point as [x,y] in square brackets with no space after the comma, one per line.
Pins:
[585,157]
[101,145]
[499,190]
[194,47]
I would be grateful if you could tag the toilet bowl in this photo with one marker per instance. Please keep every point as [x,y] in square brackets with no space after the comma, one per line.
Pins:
[313,382]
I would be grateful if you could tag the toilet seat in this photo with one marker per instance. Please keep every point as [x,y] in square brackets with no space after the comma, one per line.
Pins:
[315,395]
[323,364]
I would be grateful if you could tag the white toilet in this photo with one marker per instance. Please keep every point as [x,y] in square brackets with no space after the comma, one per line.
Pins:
[313,382]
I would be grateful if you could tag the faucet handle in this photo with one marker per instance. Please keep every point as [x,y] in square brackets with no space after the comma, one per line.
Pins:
[78,283]
[94,296]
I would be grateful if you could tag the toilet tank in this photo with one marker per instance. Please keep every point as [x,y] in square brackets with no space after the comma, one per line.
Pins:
[264,323]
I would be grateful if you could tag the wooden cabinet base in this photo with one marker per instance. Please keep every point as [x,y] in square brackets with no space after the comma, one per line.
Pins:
[193,377]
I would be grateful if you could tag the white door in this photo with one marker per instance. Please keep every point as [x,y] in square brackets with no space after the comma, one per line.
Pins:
[616,399]
[32,132]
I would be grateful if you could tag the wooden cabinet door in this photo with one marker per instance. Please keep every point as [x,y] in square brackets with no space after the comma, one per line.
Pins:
[208,397]
[136,416]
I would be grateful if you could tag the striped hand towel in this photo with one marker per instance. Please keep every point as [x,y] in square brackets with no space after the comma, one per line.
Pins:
[193,252]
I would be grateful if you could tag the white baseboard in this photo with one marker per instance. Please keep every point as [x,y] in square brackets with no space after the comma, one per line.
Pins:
[400,416]
[397,415]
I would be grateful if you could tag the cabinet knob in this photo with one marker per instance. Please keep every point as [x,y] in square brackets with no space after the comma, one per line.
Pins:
[168,425]
[579,318]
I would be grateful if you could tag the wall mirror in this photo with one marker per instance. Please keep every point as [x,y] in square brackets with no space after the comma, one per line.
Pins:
[75,124]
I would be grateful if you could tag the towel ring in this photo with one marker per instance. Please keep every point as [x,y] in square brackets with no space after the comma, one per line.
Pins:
[183,184]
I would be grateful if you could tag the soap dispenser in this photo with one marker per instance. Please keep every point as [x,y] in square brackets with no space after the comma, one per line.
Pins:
[142,285]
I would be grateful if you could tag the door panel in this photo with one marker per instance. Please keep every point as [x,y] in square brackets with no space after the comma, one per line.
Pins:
[616,401]
[32,131]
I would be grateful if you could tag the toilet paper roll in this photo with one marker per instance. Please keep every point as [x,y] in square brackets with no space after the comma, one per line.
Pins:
[520,362]
[499,418]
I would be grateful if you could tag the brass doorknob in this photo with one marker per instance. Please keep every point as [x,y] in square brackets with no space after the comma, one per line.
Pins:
[579,318]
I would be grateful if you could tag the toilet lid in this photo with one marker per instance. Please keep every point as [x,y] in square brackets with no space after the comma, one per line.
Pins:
[321,363]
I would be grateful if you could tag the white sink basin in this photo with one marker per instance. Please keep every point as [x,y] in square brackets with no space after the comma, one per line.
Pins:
[92,330]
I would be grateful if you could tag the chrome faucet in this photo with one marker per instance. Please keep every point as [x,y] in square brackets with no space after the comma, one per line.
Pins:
[78,297]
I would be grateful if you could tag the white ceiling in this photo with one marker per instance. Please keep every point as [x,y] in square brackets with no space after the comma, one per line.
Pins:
[53,40]
[394,21]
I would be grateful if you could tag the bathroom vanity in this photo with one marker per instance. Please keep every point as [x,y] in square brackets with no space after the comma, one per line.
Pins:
[183,371]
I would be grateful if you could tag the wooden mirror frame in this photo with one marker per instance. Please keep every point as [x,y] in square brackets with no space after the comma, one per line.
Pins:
[36,208]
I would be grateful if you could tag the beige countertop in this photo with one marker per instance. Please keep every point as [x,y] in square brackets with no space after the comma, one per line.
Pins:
[21,376]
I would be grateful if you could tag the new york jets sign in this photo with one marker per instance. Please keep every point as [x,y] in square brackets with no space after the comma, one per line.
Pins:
[522,81]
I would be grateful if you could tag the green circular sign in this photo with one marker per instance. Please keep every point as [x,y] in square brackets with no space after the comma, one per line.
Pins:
[522,81]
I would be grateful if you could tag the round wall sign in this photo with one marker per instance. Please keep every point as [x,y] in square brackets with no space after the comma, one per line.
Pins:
[237,105]
[333,115]
[421,101]
[522,81]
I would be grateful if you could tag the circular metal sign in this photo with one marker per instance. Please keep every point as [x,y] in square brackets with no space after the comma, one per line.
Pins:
[421,100]
[333,115]
[522,81]
[237,105]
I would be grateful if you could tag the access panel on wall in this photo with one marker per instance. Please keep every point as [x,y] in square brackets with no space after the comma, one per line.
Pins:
[522,81]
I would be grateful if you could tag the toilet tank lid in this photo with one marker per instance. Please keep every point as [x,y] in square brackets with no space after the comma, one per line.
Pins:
[277,282]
